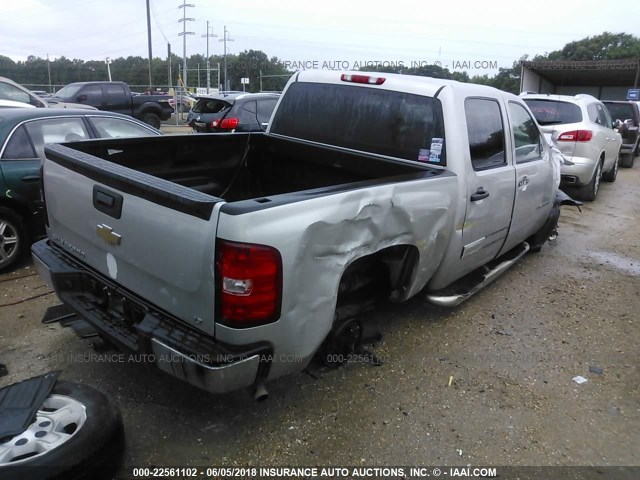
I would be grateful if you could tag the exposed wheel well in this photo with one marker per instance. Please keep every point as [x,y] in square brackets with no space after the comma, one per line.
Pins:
[384,274]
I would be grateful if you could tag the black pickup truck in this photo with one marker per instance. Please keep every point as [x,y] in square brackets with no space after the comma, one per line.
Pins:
[117,97]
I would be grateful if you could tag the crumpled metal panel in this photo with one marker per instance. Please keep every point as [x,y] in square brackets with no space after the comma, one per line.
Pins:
[319,238]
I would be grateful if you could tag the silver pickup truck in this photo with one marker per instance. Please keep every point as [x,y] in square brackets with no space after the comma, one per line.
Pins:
[232,259]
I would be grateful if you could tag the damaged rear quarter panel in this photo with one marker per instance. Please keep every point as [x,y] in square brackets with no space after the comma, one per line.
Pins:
[320,237]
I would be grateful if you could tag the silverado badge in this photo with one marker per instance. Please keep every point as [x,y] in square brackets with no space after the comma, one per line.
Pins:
[108,235]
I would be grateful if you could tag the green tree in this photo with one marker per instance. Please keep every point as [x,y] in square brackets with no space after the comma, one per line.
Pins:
[606,46]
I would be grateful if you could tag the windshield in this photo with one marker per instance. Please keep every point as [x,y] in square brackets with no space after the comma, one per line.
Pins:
[383,122]
[69,91]
[554,112]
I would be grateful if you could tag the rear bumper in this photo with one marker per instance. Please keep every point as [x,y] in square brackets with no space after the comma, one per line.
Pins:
[137,326]
[579,173]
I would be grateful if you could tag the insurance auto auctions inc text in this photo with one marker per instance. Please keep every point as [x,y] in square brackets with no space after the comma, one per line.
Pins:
[375,472]
[359,65]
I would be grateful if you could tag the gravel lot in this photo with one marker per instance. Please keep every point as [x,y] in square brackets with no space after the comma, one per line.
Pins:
[487,383]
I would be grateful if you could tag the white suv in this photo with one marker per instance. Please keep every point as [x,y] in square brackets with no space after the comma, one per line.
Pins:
[581,127]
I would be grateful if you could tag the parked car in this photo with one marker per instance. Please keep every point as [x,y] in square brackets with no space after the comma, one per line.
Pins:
[628,114]
[274,245]
[14,104]
[582,129]
[10,90]
[41,93]
[117,97]
[23,134]
[183,102]
[232,112]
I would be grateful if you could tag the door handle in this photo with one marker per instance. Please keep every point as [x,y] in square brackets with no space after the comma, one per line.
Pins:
[107,202]
[30,178]
[480,194]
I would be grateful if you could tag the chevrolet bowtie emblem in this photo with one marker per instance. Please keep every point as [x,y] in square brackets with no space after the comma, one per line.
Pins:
[108,235]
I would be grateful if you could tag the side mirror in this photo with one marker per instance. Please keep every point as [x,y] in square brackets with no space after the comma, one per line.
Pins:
[618,123]
[81,98]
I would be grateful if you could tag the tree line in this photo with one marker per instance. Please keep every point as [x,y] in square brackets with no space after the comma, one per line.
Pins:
[270,74]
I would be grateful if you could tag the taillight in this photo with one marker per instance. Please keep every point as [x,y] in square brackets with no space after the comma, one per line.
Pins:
[362,79]
[249,282]
[576,136]
[229,123]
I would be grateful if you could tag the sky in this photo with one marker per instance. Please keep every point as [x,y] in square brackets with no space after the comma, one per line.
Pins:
[476,36]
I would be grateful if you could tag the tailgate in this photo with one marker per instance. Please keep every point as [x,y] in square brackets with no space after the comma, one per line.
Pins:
[149,235]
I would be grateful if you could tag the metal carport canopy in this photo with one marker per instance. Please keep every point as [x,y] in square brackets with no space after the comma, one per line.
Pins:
[619,73]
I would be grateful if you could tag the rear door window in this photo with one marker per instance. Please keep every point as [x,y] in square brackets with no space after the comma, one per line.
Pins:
[56,130]
[93,94]
[367,119]
[486,133]
[116,94]
[554,112]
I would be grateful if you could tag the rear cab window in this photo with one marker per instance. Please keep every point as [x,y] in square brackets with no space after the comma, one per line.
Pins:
[554,112]
[621,111]
[382,122]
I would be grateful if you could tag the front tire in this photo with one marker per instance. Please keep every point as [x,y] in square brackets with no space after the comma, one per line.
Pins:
[13,238]
[77,434]
[589,192]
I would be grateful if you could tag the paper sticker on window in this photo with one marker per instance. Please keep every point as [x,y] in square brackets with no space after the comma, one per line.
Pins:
[436,146]
[423,155]
[434,157]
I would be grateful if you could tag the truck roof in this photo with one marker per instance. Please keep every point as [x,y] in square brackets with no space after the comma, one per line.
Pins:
[418,85]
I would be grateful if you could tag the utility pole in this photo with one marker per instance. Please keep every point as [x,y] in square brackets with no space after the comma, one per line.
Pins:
[169,62]
[108,61]
[49,71]
[225,39]
[184,34]
[149,42]
[208,66]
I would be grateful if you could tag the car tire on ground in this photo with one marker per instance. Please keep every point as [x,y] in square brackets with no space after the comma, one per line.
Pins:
[589,192]
[611,175]
[82,429]
[151,119]
[628,159]
[13,238]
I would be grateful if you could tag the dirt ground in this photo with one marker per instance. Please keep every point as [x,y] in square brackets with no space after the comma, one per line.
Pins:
[486,383]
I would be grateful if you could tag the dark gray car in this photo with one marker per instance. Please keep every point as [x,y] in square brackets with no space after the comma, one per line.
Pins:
[232,112]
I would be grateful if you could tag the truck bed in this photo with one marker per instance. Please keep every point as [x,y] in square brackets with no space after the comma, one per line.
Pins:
[236,167]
